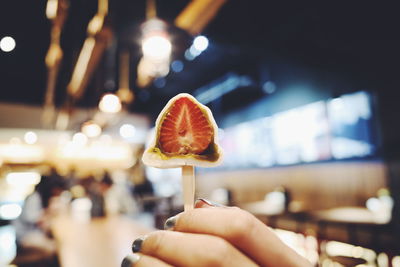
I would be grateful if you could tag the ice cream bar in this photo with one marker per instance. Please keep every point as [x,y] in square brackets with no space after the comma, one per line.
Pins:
[185,134]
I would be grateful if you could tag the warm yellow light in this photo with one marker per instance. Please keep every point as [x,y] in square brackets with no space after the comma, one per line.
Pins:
[81,66]
[91,129]
[110,103]
[396,261]
[156,47]
[7,44]
[127,131]
[30,137]
[16,152]
[23,178]
[79,139]
[383,259]
[51,9]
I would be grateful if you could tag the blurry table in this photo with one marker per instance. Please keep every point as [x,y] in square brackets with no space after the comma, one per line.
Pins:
[262,208]
[270,214]
[363,227]
[358,215]
[100,242]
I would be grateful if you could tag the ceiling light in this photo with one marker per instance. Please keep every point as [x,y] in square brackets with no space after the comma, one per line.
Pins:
[157,46]
[110,103]
[7,44]
[200,43]
[51,9]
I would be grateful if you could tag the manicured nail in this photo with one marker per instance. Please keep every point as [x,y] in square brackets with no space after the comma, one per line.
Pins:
[210,203]
[137,244]
[130,260]
[170,223]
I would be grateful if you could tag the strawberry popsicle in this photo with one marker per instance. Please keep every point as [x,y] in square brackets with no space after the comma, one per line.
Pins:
[185,136]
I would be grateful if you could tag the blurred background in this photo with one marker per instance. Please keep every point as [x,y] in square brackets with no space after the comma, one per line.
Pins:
[305,97]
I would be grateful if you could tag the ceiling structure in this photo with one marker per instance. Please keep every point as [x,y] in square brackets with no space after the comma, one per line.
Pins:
[355,40]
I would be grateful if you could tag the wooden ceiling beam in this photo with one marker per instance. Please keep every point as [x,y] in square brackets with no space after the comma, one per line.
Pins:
[197,14]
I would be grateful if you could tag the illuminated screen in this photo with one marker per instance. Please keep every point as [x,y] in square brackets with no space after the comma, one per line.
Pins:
[350,119]
[301,134]
[339,128]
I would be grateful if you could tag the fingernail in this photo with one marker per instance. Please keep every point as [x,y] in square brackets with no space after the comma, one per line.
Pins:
[170,223]
[137,244]
[210,203]
[129,260]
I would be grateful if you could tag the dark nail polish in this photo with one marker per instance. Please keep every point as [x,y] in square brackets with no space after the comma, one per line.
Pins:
[129,260]
[210,203]
[170,223]
[137,244]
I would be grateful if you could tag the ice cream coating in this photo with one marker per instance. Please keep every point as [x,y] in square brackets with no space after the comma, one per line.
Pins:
[185,134]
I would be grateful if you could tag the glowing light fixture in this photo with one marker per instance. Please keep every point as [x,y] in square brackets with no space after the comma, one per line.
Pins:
[110,103]
[156,44]
[7,44]
[127,131]
[51,9]
[200,43]
[91,129]
[396,261]
[157,47]
[30,138]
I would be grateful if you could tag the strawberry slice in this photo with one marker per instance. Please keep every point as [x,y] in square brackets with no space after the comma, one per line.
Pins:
[185,129]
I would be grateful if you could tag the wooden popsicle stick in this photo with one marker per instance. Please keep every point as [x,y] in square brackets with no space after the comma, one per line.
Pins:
[188,186]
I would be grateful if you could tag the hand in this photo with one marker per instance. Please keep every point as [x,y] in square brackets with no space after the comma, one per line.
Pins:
[214,236]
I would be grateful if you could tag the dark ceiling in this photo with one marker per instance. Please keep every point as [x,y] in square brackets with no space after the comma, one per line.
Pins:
[353,39]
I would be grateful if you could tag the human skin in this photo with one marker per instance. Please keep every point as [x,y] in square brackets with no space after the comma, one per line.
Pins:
[212,235]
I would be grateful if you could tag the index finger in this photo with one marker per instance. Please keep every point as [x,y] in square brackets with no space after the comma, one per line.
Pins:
[242,230]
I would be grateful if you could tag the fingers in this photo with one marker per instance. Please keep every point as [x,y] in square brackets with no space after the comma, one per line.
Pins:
[242,230]
[139,260]
[186,249]
[205,203]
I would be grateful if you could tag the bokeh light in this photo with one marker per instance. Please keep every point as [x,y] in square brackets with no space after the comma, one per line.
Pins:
[7,44]
[110,103]
[200,43]
[91,129]
[30,138]
[127,131]
[156,47]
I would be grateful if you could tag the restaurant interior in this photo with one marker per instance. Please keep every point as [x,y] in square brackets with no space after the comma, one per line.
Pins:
[304,95]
